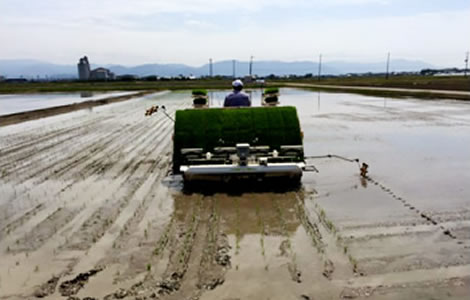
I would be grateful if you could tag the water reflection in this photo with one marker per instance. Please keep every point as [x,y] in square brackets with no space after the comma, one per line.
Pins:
[86,94]
[318,101]
[16,103]
[363,182]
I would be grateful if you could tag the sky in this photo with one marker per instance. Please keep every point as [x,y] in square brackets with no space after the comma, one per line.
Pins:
[192,31]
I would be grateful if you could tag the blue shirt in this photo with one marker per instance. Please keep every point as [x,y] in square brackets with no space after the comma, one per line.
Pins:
[237,98]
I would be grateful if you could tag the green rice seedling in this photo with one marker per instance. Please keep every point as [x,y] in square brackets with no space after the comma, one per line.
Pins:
[353,262]
[271,90]
[199,92]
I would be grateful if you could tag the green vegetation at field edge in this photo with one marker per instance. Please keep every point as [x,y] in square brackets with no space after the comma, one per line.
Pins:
[80,86]
[454,83]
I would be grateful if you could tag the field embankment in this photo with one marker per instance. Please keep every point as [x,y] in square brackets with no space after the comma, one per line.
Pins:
[427,87]
[394,86]
[80,86]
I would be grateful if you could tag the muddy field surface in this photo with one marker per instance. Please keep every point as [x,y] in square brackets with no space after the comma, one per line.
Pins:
[87,210]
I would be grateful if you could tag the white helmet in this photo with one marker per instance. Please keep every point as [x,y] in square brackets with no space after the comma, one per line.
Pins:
[237,83]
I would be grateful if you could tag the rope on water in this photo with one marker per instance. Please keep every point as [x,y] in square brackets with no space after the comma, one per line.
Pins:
[362,168]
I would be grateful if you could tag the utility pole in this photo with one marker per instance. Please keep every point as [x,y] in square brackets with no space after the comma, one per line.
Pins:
[211,74]
[466,65]
[233,68]
[251,66]
[388,65]
[319,67]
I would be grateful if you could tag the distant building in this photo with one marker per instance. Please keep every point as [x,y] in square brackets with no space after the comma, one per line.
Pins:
[84,72]
[83,69]
[101,74]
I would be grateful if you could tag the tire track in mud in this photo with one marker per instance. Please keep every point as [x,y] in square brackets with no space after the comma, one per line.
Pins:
[10,228]
[18,148]
[58,160]
[327,240]
[286,245]
[103,120]
[215,258]
[62,149]
[117,149]
[190,242]
[26,165]
[181,236]
[44,230]
[39,183]
[142,132]
[195,252]
[310,226]
[99,222]
[97,254]
[97,165]
[38,217]
[152,169]
[46,144]
[98,136]
[105,141]
[136,248]
[130,236]
[263,231]
[25,219]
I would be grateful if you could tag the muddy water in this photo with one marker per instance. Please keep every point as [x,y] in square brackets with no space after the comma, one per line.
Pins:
[86,208]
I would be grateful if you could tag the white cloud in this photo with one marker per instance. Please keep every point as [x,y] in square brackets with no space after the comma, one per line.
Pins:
[104,31]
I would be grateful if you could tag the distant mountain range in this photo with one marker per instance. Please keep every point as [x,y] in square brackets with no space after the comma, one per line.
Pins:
[34,68]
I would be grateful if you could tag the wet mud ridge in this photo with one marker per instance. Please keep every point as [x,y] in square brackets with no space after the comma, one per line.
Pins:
[71,287]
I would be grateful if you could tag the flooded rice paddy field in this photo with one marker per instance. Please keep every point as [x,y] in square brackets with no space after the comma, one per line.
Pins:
[87,208]
[15,103]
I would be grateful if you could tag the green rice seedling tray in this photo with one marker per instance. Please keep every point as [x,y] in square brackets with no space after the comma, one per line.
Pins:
[225,127]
